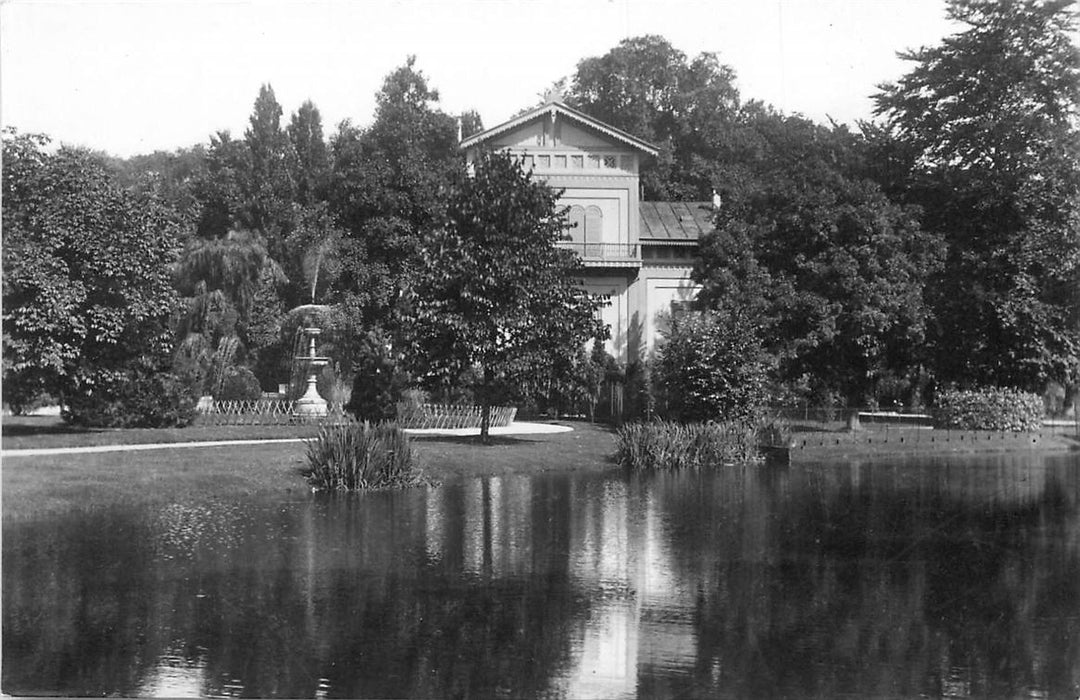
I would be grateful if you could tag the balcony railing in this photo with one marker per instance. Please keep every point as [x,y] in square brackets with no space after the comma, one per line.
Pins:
[604,254]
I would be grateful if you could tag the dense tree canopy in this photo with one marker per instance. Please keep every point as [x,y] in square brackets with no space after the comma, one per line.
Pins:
[86,284]
[389,189]
[650,89]
[988,144]
[832,269]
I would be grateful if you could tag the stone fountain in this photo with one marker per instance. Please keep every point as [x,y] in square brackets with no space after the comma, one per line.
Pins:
[311,405]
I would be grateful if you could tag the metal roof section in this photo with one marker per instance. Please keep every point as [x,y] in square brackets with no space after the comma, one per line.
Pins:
[553,110]
[675,222]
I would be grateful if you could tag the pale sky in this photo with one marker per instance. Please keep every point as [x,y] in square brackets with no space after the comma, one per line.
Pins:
[134,77]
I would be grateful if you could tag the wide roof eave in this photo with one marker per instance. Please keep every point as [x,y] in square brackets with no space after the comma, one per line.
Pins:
[563,109]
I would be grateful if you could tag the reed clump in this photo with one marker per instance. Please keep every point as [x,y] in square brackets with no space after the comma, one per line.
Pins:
[362,456]
[668,445]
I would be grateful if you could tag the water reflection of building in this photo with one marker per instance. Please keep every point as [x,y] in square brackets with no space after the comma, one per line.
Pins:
[175,675]
[619,561]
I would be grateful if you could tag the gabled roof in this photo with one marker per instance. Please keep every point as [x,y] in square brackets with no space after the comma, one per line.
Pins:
[675,222]
[556,108]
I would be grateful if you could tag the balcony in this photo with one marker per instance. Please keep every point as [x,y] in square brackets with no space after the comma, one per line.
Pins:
[605,254]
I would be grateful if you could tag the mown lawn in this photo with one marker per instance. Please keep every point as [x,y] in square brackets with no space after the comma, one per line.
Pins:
[44,485]
[21,432]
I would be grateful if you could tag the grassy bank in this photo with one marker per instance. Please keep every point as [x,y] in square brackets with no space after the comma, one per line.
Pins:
[39,486]
[818,442]
[22,432]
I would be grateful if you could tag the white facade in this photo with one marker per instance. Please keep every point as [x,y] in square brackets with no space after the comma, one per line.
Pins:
[596,166]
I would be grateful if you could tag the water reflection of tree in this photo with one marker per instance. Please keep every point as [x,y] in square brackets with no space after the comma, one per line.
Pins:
[873,582]
[285,599]
[65,605]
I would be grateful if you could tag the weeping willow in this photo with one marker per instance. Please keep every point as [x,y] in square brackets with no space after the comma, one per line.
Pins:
[222,279]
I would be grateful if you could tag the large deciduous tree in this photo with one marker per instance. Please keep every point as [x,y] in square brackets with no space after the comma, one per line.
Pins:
[833,270]
[494,291]
[87,294]
[389,187]
[686,107]
[232,310]
[988,144]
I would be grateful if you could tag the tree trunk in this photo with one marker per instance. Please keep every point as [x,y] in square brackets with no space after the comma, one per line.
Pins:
[485,407]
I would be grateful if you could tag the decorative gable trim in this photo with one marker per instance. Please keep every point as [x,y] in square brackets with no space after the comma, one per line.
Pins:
[553,110]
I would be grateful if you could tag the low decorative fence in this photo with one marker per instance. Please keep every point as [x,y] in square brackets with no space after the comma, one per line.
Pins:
[829,426]
[281,412]
[259,412]
[445,416]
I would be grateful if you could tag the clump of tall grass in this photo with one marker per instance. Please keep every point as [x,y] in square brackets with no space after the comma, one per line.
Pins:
[361,456]
[668,445]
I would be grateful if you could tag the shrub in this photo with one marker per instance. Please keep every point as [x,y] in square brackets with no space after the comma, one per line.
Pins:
[410,409]
[711,366]
[639,399]
[25,391]
[361,456]
[333,386]
[666,445]
[774,431]
[239,384]
[136,398]
[988,409]
[379,381]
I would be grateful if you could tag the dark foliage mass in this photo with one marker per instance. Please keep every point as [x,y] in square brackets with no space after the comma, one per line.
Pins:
[138,397]
[936,247]
[982,134]
[380,380]
[87,297]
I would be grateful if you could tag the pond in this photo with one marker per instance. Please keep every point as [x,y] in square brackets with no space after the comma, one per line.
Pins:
[953,577]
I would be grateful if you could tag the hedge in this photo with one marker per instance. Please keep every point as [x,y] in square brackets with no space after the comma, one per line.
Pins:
[988,409]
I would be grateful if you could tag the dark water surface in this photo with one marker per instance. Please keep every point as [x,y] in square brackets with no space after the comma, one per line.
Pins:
[939,578]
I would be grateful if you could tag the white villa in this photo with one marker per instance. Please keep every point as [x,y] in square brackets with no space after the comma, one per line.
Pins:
[638,253]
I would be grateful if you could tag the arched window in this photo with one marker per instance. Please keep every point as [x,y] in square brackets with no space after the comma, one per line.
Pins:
[576,230]
[594,230]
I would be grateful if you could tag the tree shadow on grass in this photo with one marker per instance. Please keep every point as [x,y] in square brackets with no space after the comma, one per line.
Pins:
[16,426]
[474,440]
